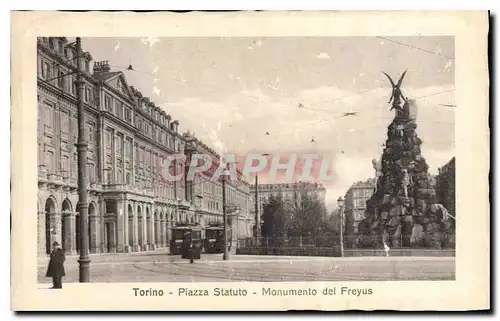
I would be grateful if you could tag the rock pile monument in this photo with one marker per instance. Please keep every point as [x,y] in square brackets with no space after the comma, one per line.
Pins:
[403,211]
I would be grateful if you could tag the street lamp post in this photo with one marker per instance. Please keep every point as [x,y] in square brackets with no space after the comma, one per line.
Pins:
[224,215]
[177,201]
[340,202]
[257,221]
[257,217]
[84,260]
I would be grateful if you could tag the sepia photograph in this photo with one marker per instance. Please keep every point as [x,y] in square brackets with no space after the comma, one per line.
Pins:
[208,162]
[283,109]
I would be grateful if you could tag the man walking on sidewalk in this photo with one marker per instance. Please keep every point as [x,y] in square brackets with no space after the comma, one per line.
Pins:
[56,266]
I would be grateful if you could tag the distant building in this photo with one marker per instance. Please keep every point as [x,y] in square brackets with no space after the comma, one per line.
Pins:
[445,186]
[355,206]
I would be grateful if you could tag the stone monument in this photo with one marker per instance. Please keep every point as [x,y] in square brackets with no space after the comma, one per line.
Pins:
[403,211]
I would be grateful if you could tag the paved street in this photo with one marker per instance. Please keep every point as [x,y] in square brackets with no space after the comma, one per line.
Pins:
[161,267]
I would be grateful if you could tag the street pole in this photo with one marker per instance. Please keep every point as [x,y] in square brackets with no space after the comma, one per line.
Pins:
[257,221]
[224,217]
[342,231]
[83,207]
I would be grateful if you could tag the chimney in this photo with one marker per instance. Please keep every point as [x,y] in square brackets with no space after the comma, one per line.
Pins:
[101,67]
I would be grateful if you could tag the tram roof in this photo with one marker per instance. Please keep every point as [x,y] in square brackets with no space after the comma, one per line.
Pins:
[214,228]
[187,227]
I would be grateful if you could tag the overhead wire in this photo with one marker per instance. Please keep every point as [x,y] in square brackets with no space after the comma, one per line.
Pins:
[307,107]
[415,47]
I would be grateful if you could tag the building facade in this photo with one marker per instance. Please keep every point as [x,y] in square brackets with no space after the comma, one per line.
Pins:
[355,207]
[131,208]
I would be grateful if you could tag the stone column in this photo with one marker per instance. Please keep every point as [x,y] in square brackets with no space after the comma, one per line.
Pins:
[94,228]
[120,226]
[136,229]
[168,232]
[114,156]
[124,164]
[152,223]
[163,229]
[158,231]
[126,247]
[144,230]
[41,245]
[133,162]
[101,155]
[71,219]
[113,238]
[102,227]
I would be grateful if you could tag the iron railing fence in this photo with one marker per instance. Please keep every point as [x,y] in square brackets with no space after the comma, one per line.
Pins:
[351,241]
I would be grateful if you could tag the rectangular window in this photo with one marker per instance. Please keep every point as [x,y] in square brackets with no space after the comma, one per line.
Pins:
[49,71]
[131,148]
[91,169]
[65,166]
[44,70]
[64,122]
[50,161]
[87,95]
[60,80]
[107,103]
[49,115]
[116,107]
[108,140]
[128,115]
[120,110]
[91,133]
[117,144]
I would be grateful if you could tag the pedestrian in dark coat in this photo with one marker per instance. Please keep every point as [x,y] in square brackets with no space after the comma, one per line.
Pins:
[56,266]
[192,252]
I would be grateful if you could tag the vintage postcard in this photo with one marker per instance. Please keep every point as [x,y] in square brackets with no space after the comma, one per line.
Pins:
[250,161]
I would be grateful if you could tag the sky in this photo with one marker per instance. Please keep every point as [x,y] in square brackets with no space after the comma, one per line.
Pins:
[231,92]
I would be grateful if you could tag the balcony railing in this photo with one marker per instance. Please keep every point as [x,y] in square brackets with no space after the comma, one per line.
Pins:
[127,188]
[184,204]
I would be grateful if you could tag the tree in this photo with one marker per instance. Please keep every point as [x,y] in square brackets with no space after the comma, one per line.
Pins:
[274,220]
[308,215]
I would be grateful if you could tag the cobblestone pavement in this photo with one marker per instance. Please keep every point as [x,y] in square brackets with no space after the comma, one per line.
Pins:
[161,267]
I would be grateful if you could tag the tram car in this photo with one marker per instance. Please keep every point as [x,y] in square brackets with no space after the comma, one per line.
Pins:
[182,237]
[214,239]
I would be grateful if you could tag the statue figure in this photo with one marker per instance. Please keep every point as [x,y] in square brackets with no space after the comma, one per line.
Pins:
[377,166]
[396,92]
[400,130]
[406,181]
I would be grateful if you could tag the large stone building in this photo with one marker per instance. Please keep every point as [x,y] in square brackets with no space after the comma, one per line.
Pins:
[130,207]
[355,207]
